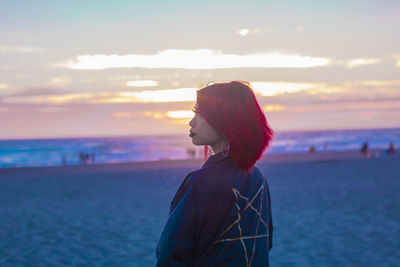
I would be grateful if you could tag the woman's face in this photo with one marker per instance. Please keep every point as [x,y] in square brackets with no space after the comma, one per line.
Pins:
[201,132]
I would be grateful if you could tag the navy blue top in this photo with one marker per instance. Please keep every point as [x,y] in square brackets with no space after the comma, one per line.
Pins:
[220,216]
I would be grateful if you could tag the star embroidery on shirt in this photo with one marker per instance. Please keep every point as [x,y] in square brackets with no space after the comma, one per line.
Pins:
[241,237]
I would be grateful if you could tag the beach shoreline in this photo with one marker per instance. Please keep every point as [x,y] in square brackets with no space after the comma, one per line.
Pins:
[193,163]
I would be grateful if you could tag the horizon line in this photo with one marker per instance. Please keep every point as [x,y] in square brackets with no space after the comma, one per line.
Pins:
[181,134]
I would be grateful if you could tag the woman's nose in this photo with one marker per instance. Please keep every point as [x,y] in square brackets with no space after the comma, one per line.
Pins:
[192,122]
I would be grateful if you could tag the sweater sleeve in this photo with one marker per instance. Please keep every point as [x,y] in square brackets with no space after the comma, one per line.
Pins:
[178,239]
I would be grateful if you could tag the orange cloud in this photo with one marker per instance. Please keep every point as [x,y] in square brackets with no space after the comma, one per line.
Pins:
[274,108]
[175,117]
[154,114]
[3,86]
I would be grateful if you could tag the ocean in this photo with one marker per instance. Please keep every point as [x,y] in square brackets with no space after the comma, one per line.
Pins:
[74,151]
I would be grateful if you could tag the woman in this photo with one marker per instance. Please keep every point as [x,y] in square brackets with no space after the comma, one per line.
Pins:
[221,214]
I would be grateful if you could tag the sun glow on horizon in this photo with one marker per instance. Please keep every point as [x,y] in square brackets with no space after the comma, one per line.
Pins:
[153,96]
[389,88]
[180,114]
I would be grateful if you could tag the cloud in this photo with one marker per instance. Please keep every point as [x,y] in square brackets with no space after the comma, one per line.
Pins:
[175,83]
[180,114]
[146,96]
[176,116]
[60,81]
[49,99]
[376,83]
[36,95]
[39,91]
[156,96]
[245,32]
[169,95]
[19,49]
[378,89]
[142,83]
[349,106]
[195,59]
[357,62]
[275,88]
[274,108]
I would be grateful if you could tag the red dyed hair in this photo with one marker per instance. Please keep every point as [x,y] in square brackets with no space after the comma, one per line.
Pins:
[232,109]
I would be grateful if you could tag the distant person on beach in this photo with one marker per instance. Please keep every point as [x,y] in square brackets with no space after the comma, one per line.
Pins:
[391,149]
[364,150]
[83,157]
[221,213]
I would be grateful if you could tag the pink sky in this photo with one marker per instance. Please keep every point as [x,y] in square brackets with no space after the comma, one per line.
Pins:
[70,70]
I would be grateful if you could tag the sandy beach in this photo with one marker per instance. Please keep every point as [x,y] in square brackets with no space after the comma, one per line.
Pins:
[329,209]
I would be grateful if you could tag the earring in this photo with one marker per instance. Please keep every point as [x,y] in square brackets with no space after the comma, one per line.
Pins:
[222,149]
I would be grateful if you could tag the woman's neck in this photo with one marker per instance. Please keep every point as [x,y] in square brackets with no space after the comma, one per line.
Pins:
[217,148]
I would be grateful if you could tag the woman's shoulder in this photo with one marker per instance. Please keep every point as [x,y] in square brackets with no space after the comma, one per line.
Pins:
[257,171]
[216,171]
[201,176]
[221,175]
[227,168]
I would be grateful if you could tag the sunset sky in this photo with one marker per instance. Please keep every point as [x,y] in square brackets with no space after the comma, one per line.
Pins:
[119,68]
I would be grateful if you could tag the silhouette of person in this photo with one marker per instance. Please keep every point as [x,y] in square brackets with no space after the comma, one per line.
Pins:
[364,149]
[391,150]
[83,158]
